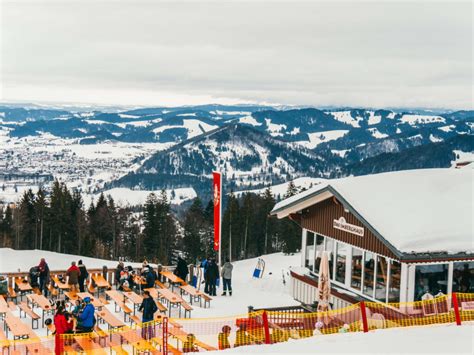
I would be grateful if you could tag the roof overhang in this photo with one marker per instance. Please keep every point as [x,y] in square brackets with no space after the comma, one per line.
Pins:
[303,203]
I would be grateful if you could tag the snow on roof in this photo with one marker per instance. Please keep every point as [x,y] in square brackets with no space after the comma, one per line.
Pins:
[417,211]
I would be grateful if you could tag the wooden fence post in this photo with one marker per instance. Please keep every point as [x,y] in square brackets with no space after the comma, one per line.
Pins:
[456,309]
[266,328]
[165,335]
[364,317]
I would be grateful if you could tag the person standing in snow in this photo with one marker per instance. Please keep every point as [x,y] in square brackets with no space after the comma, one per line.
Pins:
[211,276]
[181,268]
[83,276]
[73,274]
[118,272]
[204,265]
[226,274]
[149,308]
[43,276]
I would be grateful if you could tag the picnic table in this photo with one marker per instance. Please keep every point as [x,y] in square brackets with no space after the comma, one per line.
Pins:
[95,301]
[4,308]
[23,286]
[174,280]
[100,283]
[154,294]
[135,299]
[195,294]
[19,329]
[112,321]
[59,284]
[89,346]
[172,299]
[42,302]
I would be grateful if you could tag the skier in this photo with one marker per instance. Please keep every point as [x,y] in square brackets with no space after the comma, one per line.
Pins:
[226,274]
[149,308]
[73,274]
[181,268]
[211,276]
[43,276]
[83,276]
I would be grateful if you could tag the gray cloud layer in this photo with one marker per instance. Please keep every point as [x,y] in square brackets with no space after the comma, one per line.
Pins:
[406,54]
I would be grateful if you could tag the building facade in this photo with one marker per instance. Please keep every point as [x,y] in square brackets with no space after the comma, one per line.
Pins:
[372,259]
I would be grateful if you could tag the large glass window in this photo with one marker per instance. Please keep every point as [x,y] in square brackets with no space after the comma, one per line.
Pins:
[369,269]
[341,256]
[319,252]
[432,279]
[394,283]
[309,260]
[356,268]
[463,277]
[330,248]
[381,280]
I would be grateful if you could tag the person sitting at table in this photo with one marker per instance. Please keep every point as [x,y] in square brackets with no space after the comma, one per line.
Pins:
[86,319]
[189,346]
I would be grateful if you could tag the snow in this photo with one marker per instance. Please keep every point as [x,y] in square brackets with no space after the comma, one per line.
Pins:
[194,127]
[413,209]
[374,119]
[280,189]
[433,339]
[137,123]
[249,120]
[193,114]
[123,115]
[435,139]
[268,291]
[448,128]
[317,138]
[273,128]
[377,134]
[346,117]
[342,153]
[417,119]
[125,196]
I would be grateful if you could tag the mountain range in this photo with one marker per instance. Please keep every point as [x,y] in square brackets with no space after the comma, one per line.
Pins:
[255,146]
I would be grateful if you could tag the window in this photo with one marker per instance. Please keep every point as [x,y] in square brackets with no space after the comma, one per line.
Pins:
[309,260]
[369,269]
[341,256]
[432,279]
[463,277]
[394,283]
[330,248]
[356,268]
[319,252]
[381,280]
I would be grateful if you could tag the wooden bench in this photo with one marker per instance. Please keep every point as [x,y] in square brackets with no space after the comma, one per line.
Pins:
[11,293]
[89,346]
[28,311]
[4,341]
[187,309]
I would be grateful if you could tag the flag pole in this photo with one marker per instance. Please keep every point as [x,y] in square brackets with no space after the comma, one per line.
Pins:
[220,223]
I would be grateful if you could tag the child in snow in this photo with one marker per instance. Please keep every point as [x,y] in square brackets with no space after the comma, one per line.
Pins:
[317,329]
[344,329]
[223,338]
[189,346]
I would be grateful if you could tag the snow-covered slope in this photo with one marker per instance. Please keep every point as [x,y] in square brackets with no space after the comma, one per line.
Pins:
[435,339]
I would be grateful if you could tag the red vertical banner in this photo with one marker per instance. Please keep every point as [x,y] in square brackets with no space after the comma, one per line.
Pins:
[217,196]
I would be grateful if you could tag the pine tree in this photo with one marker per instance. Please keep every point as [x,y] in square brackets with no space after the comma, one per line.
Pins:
[27,221]
[194,230]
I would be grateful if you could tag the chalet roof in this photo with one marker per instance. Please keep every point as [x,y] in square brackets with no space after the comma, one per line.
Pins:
[416,211]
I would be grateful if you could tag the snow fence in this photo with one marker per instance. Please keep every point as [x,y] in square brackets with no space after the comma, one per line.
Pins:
[172,335]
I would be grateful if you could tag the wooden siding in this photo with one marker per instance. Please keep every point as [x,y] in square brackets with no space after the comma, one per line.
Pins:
[319,219]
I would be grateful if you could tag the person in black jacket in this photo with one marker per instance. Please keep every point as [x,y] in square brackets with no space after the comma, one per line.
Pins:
[212,274]
[181,268]
[118,270]
[150,278]
[83,276]
[43,276]
[149,308]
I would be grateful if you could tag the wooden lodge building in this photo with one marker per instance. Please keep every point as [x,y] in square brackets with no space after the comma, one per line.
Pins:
[391,237]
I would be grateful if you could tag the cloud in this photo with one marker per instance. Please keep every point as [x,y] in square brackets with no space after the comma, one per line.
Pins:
[303,53]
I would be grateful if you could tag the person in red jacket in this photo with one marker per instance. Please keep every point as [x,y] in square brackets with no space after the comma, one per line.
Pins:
[62,326]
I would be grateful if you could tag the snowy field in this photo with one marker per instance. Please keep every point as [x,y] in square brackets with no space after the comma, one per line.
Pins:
[436,339]
[268,291]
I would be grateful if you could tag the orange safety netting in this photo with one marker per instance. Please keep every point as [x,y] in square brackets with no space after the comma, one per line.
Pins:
[260,327]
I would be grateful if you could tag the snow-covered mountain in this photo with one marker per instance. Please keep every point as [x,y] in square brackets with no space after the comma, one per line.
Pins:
[178,147]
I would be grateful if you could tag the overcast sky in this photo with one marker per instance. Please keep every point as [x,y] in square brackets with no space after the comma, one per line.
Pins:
[373,54]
